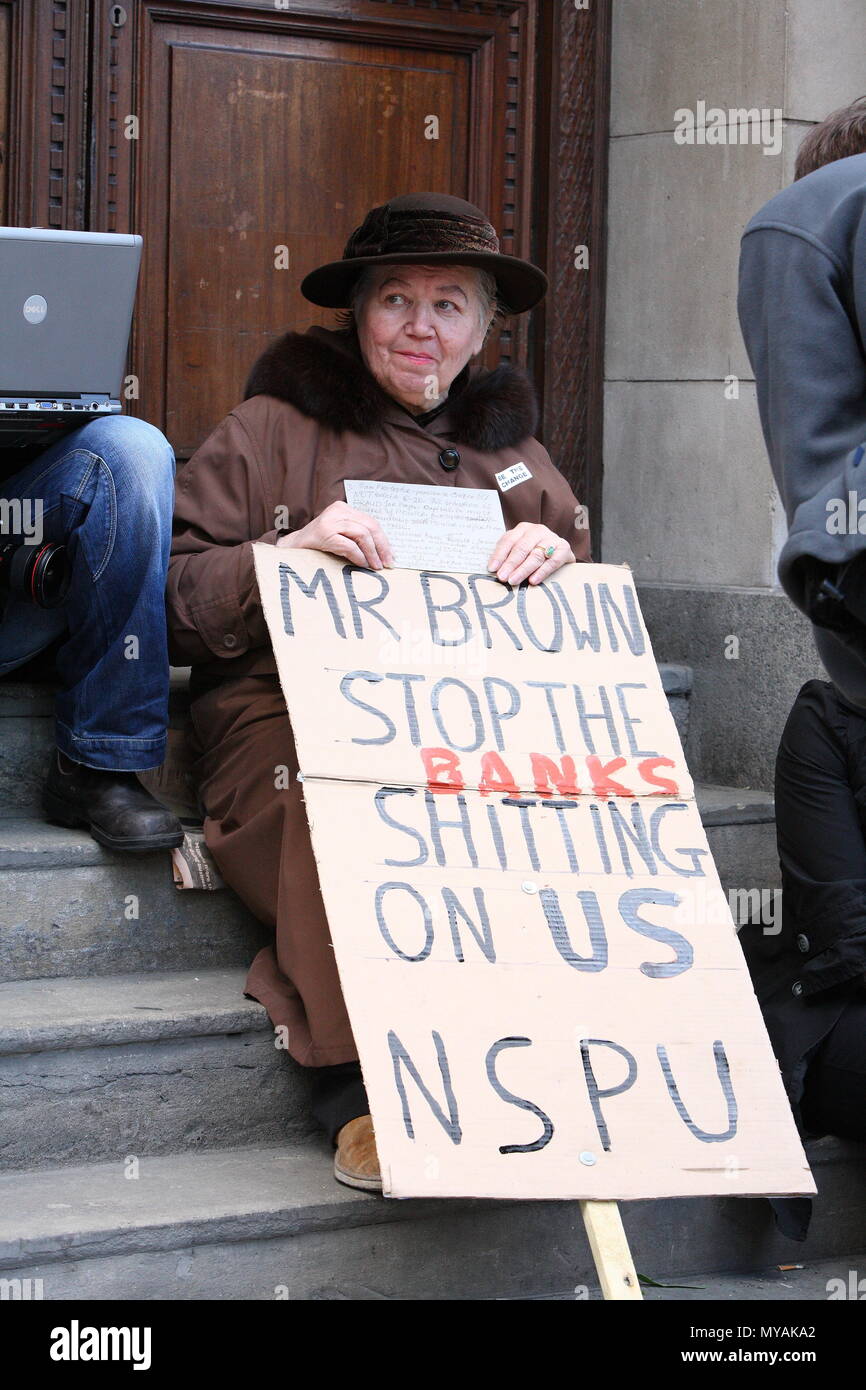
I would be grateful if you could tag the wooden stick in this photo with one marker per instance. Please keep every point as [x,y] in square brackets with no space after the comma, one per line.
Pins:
[609,1246]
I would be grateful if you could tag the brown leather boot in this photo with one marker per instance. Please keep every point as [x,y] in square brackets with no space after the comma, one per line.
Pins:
[356,1162]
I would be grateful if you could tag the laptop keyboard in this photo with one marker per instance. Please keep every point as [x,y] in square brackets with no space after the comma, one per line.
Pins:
[40,407]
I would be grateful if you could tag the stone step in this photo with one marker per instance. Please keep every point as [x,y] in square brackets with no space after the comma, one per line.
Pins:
[98,1069]
[677,685]
[27,738]
[66,903]
[70,907]
[27,730]
[740,823]
[264,1221]
[793,1283]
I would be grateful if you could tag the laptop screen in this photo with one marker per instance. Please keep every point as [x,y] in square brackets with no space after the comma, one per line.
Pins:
[65,307]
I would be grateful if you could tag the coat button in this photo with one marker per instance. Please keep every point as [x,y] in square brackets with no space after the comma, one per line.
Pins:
[449,459]
[802,942]
[230,640]
[797,989]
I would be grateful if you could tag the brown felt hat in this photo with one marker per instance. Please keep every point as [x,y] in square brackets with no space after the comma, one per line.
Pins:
[426,229]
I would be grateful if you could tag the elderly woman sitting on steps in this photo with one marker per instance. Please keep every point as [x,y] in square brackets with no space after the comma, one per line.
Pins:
[390,396]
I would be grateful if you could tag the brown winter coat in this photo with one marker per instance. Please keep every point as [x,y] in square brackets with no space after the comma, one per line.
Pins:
[313,415]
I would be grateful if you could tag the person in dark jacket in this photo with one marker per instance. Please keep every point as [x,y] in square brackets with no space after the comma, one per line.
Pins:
[802,306]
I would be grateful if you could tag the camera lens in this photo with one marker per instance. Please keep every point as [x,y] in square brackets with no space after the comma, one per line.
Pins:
[37,574]
[49,576]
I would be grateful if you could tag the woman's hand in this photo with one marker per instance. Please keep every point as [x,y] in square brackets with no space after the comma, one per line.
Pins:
[522,553]
[343,531]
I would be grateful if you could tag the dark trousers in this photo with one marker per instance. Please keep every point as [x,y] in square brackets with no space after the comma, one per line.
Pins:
[834,1091]
[338,1096]
[821,831]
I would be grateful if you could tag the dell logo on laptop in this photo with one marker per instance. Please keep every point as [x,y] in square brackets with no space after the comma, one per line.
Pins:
[35,308]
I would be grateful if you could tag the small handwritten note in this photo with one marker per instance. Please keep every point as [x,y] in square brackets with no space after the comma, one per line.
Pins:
[432,528]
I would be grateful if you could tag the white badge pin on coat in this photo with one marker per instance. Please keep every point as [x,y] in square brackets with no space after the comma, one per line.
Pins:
[511,476]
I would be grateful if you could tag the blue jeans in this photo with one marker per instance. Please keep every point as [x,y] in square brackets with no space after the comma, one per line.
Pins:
[106,492]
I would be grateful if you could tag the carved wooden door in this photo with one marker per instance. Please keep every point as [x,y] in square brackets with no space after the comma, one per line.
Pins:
[244,141]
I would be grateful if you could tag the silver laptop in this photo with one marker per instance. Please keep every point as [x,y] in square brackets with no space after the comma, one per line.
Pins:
[65,312]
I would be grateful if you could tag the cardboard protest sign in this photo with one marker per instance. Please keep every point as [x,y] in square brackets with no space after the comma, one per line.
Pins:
[537,957]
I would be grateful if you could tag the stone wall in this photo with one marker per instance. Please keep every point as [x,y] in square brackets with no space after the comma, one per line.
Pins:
[689,500]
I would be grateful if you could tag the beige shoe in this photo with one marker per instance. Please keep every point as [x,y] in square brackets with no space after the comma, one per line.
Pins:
[356,1162]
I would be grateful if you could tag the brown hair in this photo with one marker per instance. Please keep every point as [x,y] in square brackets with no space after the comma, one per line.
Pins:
[839,135]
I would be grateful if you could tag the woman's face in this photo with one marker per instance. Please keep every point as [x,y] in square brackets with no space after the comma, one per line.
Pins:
[418,326]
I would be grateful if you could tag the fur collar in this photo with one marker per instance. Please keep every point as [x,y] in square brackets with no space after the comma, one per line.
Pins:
[321,373]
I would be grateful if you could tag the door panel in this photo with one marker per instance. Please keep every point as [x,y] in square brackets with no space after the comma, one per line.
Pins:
[266,124]
[259,131]
[5,84]
[46,76]
[290,125]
